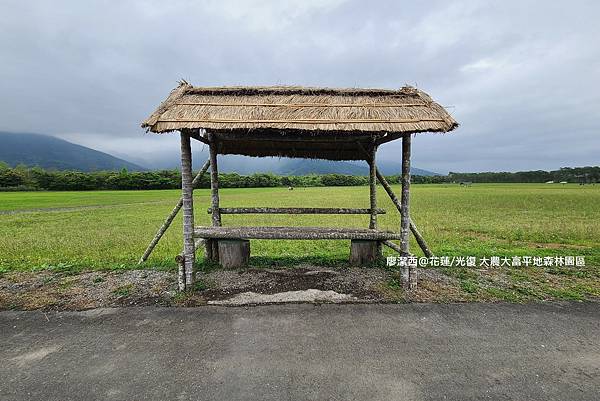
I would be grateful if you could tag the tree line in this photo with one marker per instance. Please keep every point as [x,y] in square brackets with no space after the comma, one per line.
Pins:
[35,178]
[31,179]
[582,175]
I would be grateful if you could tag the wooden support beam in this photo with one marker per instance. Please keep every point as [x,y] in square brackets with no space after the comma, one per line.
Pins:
[341,137]
[180,259]
[296,233]
[167,223]
[197,136]
[295,210]
[373,187]
[405,195]
[388,138]
[420,240]
[214,183]
[413,228]
[410,272]
[390,244]
[214,194]
[187,191]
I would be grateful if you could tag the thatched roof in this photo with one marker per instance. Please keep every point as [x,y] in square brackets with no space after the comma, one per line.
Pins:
[299,121]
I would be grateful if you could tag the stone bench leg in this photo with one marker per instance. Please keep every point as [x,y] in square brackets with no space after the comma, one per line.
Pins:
[364,252]
[234,252]
[211,250]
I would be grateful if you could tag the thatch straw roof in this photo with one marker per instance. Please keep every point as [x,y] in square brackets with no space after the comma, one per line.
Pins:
[299,121]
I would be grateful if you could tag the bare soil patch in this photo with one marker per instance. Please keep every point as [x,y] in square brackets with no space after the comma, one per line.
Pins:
[49,290]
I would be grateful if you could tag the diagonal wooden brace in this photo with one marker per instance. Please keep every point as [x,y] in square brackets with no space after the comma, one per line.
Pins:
[396,202]
[161,231]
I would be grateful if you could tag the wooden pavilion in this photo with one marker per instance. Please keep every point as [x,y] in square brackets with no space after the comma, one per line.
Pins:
[297,122]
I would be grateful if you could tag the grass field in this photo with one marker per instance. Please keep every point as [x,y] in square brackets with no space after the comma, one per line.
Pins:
[110,229]
[103,230]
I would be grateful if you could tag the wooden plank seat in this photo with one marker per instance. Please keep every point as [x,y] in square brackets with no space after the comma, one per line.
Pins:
[294,233]
[294,210]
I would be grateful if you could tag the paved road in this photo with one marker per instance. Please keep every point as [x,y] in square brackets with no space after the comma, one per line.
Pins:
[304,352]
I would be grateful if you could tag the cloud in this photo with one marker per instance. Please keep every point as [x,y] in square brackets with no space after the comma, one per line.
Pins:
[520,77]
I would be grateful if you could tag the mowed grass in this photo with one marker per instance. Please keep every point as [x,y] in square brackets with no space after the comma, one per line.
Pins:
[111,229]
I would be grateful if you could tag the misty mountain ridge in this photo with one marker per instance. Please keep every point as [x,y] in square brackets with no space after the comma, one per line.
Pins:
[52,153]
[245,165]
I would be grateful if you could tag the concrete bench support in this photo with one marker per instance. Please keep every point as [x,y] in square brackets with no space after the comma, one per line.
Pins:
[364,252]
[233,252]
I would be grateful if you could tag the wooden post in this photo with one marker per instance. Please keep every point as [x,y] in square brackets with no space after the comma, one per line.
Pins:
[405,196]
[214,193]
[396,202]
[180,259]
[187,191]
[161,231]
[409,283]
[373,188]
[373,195]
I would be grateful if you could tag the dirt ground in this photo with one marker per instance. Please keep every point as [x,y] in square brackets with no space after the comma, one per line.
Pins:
[66,291]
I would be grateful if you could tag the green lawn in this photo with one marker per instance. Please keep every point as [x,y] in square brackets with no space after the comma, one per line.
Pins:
[110,229]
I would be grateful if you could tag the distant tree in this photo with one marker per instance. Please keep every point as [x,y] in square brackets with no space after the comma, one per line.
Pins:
[35,178]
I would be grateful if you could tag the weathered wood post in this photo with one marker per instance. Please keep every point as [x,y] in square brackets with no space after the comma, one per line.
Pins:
[213,254]
[363,252]
[373,187]
[161,231]
[420,240]
[187,190]
[373,195]
[409,281]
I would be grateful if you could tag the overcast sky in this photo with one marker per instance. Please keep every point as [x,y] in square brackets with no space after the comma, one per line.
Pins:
[521,77]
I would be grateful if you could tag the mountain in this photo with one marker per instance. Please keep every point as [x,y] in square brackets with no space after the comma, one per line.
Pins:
[53,153]
[244,165]
[312,166]
[285,166]
[388,167]
[303,167]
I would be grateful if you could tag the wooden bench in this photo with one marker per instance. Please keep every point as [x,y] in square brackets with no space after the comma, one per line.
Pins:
[294,233]
[233,247]
[294,210]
